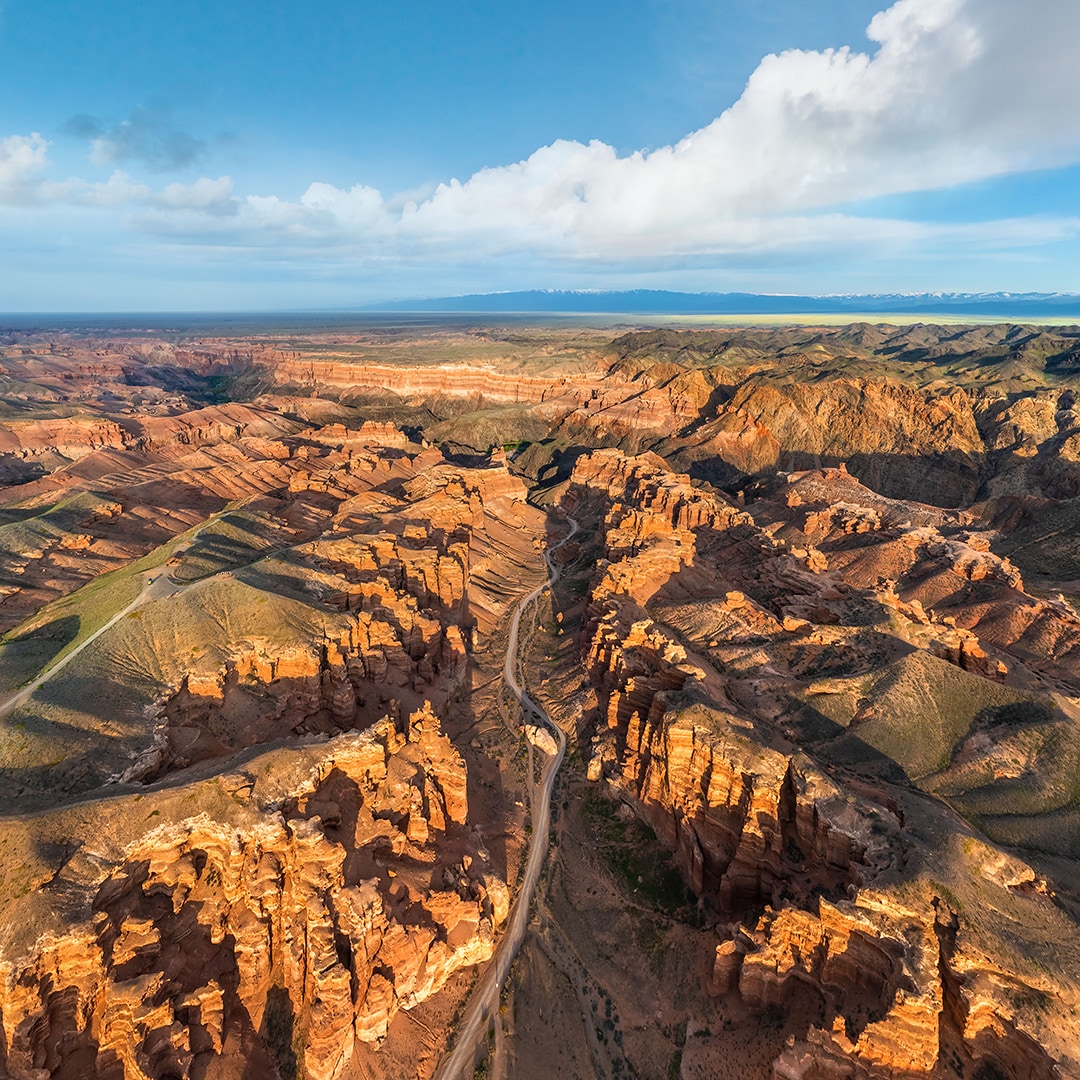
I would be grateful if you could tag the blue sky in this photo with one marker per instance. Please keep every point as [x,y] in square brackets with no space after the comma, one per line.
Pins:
[272,155]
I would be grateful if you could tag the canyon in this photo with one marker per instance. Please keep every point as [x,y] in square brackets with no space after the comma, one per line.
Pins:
[814,648]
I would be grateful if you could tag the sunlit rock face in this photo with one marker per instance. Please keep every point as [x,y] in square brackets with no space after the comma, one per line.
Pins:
[817,630]
[277,855]
[702,617]
[216,930]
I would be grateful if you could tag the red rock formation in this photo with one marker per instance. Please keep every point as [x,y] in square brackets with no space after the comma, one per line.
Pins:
[744,652]
[876,966]
[409,610]
[419,382]
[747,824]
[756,827]
[210,917]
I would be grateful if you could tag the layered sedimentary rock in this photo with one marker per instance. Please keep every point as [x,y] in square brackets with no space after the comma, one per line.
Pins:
[465,380]
[320,899]
[694,731]
[279,857]
[401,638]
[829,630]
[168,475]
[875,966]
[885,974]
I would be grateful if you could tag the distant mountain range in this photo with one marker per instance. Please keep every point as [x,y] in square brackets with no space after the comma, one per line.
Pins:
[662,302]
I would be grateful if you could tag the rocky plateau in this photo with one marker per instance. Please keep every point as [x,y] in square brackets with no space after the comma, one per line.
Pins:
[815,648]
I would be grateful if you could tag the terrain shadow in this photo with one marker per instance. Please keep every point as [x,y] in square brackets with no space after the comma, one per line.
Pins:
[24,656]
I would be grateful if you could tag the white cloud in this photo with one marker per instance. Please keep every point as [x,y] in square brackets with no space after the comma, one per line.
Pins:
[954,91]
[207,196]
[118,191]
[360,208]
[22,159]
[957,90]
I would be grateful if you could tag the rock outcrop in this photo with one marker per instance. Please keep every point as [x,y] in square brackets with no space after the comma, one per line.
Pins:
[697,684]
[824,598]
[355,891]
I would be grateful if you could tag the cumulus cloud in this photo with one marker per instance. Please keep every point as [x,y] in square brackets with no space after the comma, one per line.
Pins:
[949,91]
[148,137]
[22,159]
[955,91]
[205,195]
[118,190]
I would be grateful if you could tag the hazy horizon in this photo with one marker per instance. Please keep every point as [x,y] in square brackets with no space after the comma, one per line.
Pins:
[249,157]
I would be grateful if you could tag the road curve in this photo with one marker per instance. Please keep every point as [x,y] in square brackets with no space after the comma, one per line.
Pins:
[485,997]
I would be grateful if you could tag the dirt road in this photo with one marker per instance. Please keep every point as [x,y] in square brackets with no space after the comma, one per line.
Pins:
[485,997]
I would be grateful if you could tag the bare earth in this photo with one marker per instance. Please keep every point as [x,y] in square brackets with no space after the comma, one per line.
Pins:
[538,702]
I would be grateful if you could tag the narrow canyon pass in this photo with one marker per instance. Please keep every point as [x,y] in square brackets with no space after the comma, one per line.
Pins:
[812,639]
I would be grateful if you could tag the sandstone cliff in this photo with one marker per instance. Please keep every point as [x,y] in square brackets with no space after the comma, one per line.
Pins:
[695,728]
[317,897]
[825,605]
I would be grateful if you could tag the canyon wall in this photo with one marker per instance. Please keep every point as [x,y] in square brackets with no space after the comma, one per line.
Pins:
[802,859]
[315,900]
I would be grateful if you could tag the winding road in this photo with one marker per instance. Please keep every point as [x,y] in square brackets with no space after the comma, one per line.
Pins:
[485,998]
